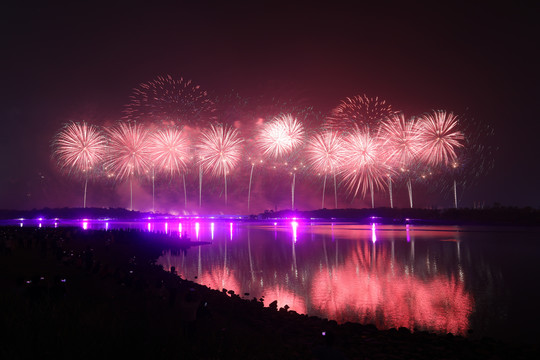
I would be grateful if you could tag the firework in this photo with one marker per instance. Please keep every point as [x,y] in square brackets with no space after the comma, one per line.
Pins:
[79,149]
[220,150]
[170,153]
[170,150]
[440,137]
[170,100]
[401,140]
[281,136]
[359,110]
[364,168]
[129,151]
[325,152]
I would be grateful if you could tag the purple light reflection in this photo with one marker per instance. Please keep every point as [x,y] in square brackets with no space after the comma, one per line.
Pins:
[84,224]
[294,225]
[373,234]
[231,229]
[197,228]
[408,234]
[212,226]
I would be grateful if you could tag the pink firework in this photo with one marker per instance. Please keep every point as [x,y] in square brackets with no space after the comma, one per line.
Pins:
[439,136]
[359,110]
[401,140]
[364,166]
[325,152]
[169,99]
[281,136]
[220,149]
[169,148]
[129,151]
[79,148]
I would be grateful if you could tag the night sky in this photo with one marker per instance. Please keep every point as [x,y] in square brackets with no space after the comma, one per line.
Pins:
[73,62]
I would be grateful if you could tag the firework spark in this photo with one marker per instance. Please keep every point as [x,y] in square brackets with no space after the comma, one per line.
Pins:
[220,149]
[325,152]
[129,153]
[360,110]
[170,100]
[170,150]
[440,137]
[79,148]
[401,143]
[281,136]
[364,168]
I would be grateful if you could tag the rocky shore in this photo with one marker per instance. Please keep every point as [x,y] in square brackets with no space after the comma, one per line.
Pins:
[70,293]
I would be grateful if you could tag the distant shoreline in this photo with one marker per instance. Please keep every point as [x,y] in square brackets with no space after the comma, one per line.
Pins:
[509,216]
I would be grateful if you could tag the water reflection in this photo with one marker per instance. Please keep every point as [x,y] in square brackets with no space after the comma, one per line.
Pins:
[368,274]
[438,278]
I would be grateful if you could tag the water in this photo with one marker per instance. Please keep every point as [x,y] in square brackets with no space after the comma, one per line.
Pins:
[437,278]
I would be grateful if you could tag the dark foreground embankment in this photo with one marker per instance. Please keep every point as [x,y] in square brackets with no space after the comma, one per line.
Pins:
[70,293]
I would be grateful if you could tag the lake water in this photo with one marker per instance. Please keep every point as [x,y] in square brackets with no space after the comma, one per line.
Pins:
[437,278]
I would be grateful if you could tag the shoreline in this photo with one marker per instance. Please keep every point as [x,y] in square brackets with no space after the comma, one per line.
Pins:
[495,216]
[114,290]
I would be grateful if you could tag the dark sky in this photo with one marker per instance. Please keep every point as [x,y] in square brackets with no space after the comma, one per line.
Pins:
[80,63]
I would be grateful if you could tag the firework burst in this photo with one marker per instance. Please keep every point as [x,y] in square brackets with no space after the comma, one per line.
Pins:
[170,100]
[359,110]
[401,140]
[220,149]
[364,168]
[129,153]
[79,148]
[325,152]
[170,150]
[439,136]
[281,136]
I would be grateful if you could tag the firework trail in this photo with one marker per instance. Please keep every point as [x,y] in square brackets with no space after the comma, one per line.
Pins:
[78,149]
[474,160]
[170,153]
[129,152]
[280,138]
[359,110]
[363,165]
[325,153]
[170,100]
[401,145]
[440,137]
[220,150]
